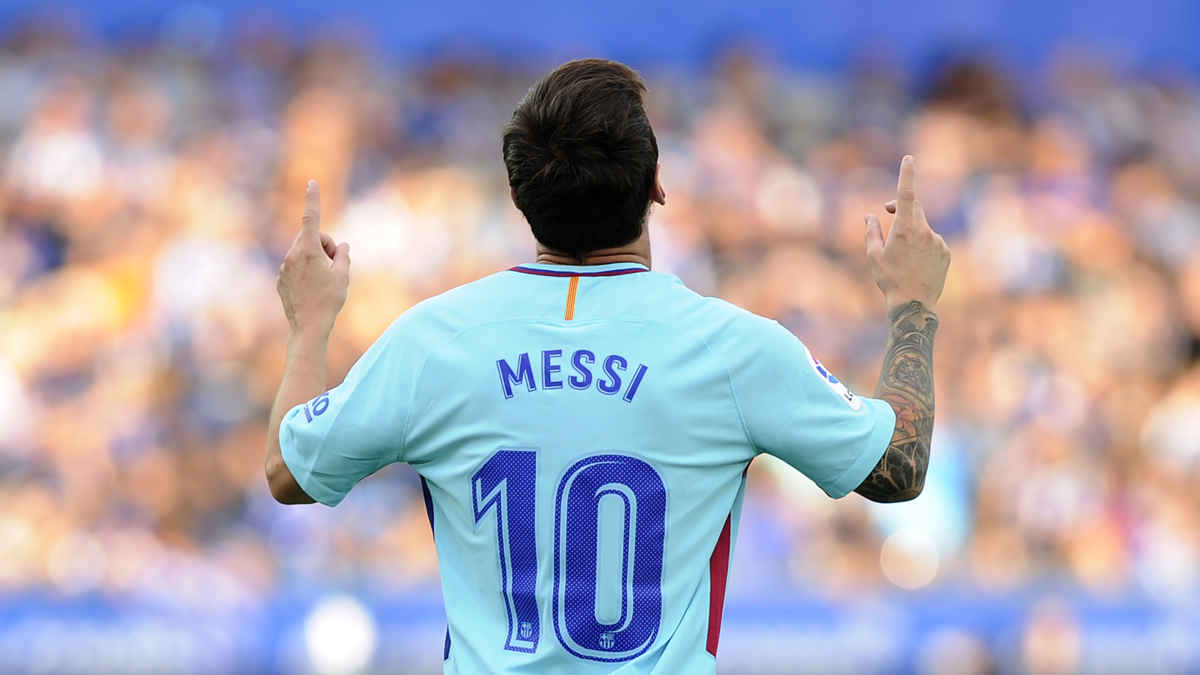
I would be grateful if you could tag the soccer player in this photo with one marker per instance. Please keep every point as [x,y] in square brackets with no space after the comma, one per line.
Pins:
[582,425]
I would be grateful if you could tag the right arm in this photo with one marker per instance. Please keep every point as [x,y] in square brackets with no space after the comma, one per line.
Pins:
[910,268]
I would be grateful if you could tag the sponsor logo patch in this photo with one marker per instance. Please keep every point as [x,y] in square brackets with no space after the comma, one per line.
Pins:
[840,389]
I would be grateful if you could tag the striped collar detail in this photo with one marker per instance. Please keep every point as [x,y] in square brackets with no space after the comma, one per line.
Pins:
[612,270]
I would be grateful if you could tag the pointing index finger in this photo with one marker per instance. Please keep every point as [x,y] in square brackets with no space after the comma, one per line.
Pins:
[906,192]
[311,221]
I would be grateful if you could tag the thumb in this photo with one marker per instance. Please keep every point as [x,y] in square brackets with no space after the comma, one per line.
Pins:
[874,237]
[341,258]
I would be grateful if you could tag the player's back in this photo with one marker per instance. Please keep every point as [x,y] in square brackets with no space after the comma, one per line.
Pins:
[583,454]
[583,435]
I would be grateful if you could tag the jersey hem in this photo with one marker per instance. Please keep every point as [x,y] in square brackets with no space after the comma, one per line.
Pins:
[881,437]
[309,483]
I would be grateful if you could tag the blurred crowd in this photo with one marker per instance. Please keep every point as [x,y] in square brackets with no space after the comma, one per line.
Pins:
[148,192]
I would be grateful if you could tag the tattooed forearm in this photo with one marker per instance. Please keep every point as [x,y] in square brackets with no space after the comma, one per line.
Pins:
[907,384]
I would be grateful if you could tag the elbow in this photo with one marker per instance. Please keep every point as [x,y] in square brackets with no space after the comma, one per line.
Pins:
[285,496]
[291,500]
[283,485]
[899,476]
[900,496]
[892,491]
[275,482]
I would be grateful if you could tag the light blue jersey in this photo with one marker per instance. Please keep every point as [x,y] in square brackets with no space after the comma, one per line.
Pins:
[583,435]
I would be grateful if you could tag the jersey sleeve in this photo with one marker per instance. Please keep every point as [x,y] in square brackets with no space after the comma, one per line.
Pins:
[798,411]
[355,429]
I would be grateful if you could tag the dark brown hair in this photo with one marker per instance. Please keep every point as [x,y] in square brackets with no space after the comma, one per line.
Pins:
[581,157]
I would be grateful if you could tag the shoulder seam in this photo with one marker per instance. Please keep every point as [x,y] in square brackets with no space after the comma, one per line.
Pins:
[737,407]
[417,387]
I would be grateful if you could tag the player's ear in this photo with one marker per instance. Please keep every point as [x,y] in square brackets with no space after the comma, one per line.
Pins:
[657,194]
[512,194]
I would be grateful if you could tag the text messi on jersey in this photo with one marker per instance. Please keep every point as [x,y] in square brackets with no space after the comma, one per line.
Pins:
[607,380]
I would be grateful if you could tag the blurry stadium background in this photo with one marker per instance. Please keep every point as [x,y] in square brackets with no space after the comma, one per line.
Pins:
[152,164]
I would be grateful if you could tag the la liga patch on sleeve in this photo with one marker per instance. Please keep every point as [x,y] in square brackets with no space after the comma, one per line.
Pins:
[840,389]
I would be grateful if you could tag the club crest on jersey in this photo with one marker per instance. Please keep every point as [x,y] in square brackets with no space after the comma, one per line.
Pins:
[840,389]
[607,640]
[526,630]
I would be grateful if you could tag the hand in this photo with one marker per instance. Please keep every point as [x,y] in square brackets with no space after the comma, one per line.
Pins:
[911,264]
[314,274]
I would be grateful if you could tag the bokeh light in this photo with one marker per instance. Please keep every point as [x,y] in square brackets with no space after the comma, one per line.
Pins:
[340,636]
[909,558]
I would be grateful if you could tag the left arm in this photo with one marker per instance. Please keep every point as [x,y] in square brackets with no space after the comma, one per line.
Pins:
[312,285]
[907,384]
[910,267]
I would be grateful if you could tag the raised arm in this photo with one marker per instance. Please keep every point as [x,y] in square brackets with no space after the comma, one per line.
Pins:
[910,268]
[312,285]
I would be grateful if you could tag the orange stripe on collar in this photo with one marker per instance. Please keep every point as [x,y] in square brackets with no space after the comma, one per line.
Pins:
[571,290]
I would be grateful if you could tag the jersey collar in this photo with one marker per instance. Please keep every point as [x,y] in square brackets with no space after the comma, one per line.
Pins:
[551,270]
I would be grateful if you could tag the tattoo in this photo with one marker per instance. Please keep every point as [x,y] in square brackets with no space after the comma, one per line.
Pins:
[907,384]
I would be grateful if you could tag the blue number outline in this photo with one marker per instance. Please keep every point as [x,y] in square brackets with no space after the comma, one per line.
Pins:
[515,469]
[561,624]
[513,460]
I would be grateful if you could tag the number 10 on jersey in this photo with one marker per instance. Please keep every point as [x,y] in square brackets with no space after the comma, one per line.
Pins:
[606,607]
